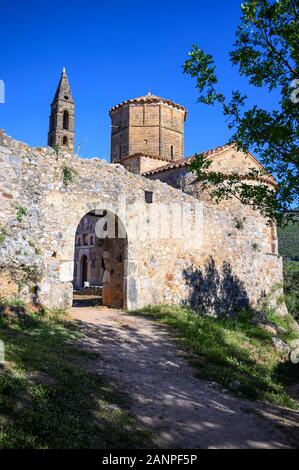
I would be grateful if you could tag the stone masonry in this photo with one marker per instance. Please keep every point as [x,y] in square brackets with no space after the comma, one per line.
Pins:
[62,118]
[217,268]
[155,236]
[147,125]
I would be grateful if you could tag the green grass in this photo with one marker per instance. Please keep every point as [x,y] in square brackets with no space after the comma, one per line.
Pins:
[49,395]
[227,350]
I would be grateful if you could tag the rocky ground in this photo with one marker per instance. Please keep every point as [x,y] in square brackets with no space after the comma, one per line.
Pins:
[182,411]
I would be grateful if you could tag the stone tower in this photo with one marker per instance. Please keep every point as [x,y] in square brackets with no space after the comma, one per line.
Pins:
[61,129]
[148,127]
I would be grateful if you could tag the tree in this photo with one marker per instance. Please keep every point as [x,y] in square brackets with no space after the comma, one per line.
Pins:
[266,50]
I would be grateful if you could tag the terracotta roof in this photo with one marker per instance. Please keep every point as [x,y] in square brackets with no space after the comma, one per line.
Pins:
[149,99]
[134,155]
[209,154]
[186,161]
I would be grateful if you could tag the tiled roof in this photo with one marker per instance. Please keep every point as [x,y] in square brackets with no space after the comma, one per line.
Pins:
[150,99]
[209,154]
[147,155]
[188,160]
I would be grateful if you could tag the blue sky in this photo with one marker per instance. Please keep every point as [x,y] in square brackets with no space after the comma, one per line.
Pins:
[113,50]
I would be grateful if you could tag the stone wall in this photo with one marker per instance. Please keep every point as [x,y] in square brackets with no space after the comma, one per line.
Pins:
[215,267]
[140,163]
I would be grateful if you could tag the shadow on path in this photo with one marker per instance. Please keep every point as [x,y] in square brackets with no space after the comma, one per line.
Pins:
[184,411]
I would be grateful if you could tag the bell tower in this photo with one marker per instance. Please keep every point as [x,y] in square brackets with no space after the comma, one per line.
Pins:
[62,118]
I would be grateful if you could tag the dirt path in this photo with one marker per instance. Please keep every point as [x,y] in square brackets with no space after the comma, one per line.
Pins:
[183,411]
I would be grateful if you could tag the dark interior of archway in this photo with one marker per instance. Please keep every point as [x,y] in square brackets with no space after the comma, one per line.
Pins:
[99,262]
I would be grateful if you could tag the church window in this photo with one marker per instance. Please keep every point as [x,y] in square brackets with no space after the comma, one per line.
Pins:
[171,152]
[65,120]
[64,140]
[148,195]
[85,240]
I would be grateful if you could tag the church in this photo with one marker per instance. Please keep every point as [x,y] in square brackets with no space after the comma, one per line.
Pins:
[233,264]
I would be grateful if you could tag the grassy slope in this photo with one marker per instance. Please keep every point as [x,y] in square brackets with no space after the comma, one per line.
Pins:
[49,399]
[228,351]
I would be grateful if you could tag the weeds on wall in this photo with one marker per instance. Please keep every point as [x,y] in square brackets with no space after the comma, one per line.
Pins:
[239,223]
[3,234]
[34,247]
[68,174]
[21,213]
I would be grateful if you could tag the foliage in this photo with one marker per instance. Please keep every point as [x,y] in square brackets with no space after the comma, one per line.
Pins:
[51,393]
[229,350]
[288,237]
[67,174]
[3,234]
[266,52]
[21,212]
[239,224]
[291,287]
[34,247]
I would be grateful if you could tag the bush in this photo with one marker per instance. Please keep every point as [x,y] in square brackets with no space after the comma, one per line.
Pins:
[67,174]
[291,287]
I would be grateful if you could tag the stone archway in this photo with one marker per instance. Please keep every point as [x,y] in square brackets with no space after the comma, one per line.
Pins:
[56,287]
[100,256]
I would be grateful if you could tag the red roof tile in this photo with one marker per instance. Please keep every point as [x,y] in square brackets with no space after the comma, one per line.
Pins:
[149,99]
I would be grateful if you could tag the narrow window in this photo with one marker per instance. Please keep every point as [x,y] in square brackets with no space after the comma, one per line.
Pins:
[171,152]
[85,240]
[148,195]
[65,120]
[64,140]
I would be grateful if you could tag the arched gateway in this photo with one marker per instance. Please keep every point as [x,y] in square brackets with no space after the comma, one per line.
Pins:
[99,259]
[177,246]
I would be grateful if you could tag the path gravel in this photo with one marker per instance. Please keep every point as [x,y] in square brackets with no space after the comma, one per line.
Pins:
[183,411]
